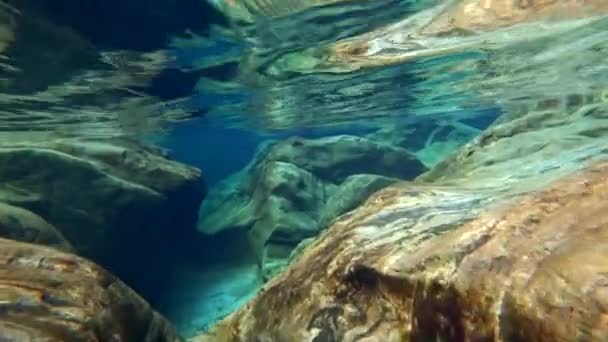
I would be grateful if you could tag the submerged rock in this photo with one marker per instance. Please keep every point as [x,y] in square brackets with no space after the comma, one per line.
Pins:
[429,140]
[22,225]
[551,139]
[511,272]
[115,202]
[350,193]
[295,187]
[487,245]
[50,295]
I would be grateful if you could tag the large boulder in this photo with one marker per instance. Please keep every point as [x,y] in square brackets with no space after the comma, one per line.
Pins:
[488,245]
[420,264]
[429,140]
[48,295]
[116,202]
[280,198]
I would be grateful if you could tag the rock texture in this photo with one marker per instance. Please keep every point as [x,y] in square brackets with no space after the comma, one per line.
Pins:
[454,26]
[22,225]
[99,194]
[530,270]
[431,141]
[503,241]
[550,138]
[295,187]
[47,295]
[115,202]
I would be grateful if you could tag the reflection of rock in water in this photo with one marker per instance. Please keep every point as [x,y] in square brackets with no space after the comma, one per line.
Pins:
[65,70]
[503,240]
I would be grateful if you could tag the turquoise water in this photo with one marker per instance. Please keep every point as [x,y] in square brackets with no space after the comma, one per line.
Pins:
[226,86]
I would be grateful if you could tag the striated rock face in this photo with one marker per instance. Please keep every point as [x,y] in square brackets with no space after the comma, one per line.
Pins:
[430,141]
[503,241]
[98,194]
[529,270]
[49,295]
[552,138]
[115,202]
[453,26]
[294,188]
[22,225]
[335,158]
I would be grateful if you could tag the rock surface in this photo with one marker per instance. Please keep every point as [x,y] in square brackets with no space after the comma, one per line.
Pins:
[49,295]
[98,194]
[453,26]
[116,202]
[429,140]
[511,273]
[22,225]
[504,241]
[294,187]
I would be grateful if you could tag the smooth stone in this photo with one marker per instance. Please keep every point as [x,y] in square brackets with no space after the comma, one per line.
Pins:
[51,295]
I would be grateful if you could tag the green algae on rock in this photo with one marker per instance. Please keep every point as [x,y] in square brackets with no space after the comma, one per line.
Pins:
[23,225]
[287,194]
[48,295]
[115,202]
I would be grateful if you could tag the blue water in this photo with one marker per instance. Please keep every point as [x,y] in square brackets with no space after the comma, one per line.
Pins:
[211,92]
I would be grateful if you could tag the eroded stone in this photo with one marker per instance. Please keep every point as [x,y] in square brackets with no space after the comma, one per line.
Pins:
[47,295]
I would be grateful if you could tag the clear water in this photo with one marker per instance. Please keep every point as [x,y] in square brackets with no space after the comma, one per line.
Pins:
[214,81]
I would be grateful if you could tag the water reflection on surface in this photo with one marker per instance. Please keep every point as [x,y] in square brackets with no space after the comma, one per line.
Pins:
[286,65]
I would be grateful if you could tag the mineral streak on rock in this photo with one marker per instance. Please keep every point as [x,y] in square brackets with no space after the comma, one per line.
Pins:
[529,269]
[47,295]
[454,26]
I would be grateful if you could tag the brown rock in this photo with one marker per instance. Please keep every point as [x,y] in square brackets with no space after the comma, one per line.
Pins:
[493,14]
[464,25]
[47,295]
[531,269]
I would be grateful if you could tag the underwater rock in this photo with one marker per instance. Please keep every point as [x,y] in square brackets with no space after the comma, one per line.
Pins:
[50,295]
[548,138]
[22,225]
[104,196]
[429,140]
[426,263]
[335,158]
[489,244]
[280,198]
[350,193]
